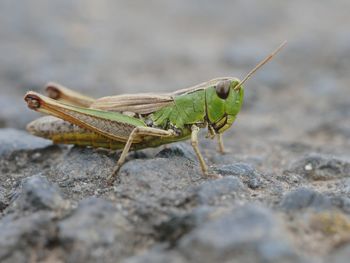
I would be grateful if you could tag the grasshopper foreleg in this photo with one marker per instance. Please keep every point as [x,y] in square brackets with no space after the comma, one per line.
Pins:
[194,143]
[135,134]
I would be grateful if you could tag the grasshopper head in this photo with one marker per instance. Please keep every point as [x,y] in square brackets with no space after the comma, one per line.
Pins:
[224,101]
[225,98]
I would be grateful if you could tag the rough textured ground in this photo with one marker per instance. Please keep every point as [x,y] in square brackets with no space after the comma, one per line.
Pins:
[284,195]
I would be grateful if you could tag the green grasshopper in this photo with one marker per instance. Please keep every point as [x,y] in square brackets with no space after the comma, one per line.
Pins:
[137,121]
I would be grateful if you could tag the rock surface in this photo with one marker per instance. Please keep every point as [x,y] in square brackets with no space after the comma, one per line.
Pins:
[248,234]
[284,195]
[37,193]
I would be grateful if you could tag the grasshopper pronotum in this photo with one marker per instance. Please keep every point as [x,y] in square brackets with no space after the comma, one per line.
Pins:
[137,121]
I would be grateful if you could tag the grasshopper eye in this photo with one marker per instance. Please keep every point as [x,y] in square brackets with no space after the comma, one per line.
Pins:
[223,89]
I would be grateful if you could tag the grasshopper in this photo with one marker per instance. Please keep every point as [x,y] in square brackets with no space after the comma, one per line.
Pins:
[137,121]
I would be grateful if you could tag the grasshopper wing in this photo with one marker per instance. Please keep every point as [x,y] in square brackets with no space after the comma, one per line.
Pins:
[137,103]
[200,86]
[146,103]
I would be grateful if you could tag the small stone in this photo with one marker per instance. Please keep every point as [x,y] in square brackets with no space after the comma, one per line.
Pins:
[321,167]
[96,230]
[20,235]
[36,156]
[247,234]
[158,180]
[308,167]
[305,198]
[178,150]
[38,193]
[246,173]
[179,225]
[81,163]
[12,140]
[220,190]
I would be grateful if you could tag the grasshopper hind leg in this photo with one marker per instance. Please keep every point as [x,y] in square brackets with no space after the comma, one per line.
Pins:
[58,92]
[137,132]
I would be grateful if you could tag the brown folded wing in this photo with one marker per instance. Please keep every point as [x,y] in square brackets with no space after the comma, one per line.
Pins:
[148,102]
[136,103]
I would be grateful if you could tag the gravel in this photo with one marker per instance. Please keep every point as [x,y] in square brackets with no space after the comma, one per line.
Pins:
[284,195]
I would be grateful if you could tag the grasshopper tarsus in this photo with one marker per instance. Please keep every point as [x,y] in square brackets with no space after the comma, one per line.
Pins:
[214,176]
[111,178]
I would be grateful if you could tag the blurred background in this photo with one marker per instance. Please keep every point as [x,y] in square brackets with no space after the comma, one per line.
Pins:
[110,47]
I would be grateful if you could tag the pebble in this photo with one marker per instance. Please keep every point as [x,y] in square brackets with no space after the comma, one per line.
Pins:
[214,191]
[160,209]
[245,172]
[303,198]
[248,234]
[321,167]
[96,230]
[38,193]
[12,140]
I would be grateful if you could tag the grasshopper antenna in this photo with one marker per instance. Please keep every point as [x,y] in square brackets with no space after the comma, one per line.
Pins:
[262,63]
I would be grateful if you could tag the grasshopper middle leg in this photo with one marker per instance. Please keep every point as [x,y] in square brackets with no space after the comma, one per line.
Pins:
[221,148]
